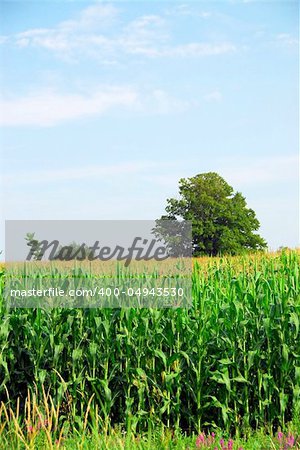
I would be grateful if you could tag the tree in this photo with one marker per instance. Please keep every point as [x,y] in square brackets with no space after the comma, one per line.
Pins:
[35,246]
[68,252]
[221,221]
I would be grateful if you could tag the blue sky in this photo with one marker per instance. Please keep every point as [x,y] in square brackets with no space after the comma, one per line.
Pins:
[106,105]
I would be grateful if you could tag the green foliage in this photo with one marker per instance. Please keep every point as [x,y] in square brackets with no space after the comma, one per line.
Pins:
[221,221]
[35,246]
[72,251]
[11,437]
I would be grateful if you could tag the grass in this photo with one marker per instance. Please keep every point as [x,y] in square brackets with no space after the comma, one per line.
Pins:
[42,427]
[157,378]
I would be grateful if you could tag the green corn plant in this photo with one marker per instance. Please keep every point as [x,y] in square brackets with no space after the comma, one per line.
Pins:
[231,360]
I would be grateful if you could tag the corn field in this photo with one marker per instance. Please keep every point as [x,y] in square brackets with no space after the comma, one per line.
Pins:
[230,361]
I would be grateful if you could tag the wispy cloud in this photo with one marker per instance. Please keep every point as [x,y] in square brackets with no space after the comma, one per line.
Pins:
[71,38]
[144,36]
[187,10]
[195,49]
[213,96]
[48,108]
[91,35]
[160,102]
[287,40]
[150,36]
[97,16]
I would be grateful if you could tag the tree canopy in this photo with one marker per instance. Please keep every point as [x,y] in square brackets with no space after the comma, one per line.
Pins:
[221,221]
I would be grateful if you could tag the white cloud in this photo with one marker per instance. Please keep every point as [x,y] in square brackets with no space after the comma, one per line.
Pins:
[287,40]
[71,37]
[48,108]
[87,36]
[93,17]
[187,10]
[149,36]
[205,14]
[214,96]
[166,104]
[160,102]
[144,35]
[195,49]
